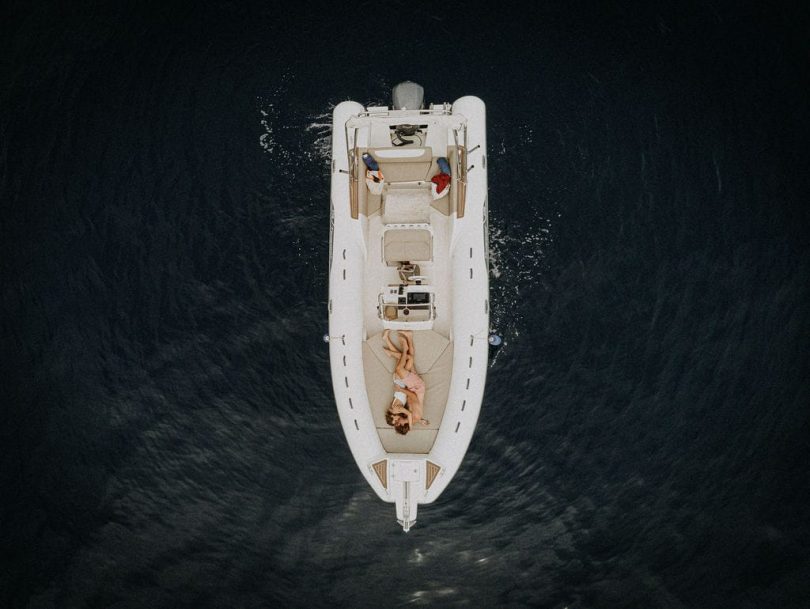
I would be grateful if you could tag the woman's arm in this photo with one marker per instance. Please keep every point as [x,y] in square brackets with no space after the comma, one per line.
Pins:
[416,406]
[402,410]
[411,395]
[398,409]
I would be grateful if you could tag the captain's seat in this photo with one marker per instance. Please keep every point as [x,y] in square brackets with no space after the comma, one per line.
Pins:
[407,272]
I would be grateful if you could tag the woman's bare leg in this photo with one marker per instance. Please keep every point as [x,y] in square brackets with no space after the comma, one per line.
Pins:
[390,350]
[387,339]
[409,349]
[407,336]
[401,369]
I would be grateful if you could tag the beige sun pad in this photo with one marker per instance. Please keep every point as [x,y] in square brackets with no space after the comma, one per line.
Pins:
[434,362]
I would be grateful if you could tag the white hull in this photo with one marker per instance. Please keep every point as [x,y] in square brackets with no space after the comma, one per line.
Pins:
[367,232]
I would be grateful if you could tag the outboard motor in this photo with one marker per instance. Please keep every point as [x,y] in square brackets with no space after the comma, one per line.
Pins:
[408,96]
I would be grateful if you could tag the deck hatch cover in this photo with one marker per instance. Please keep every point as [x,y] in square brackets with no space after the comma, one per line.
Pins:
[432,472]
[381,469]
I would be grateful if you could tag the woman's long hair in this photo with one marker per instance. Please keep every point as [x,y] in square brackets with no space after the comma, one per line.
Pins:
[397,421]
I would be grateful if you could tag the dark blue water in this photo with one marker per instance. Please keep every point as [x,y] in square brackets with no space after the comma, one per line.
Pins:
[169,435]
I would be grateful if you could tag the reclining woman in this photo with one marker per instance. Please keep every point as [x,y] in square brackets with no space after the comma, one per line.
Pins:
[409,393]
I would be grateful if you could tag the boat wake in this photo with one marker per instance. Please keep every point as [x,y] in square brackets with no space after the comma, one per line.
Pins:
[300,143]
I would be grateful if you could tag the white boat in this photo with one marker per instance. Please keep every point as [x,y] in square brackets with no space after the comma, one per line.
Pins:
[404,256]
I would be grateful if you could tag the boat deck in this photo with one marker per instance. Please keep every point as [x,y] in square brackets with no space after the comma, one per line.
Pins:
[438,273]
[434,348]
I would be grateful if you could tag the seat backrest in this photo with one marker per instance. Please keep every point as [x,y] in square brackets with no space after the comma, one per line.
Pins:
[403,164]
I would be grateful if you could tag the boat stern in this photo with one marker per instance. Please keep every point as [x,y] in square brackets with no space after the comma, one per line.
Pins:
[407,481]
[407,478]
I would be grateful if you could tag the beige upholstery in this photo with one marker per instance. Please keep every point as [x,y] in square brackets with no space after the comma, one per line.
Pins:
[407,245]
[406,169]
[406,206]
[405,154]
[444,205]
[428,345]
[415,166]
[434,363]
[416,441]
[374,202]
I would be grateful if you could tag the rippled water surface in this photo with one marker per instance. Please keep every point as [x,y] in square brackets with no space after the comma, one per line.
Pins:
[170,436]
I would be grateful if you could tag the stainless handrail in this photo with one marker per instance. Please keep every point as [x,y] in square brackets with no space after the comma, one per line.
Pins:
[354,178]
[351,150]
[446,109]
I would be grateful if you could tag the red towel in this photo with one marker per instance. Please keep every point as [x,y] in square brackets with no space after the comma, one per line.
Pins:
[441,180]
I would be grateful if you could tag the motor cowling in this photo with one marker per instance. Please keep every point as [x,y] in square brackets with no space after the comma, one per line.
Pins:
[408,96]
